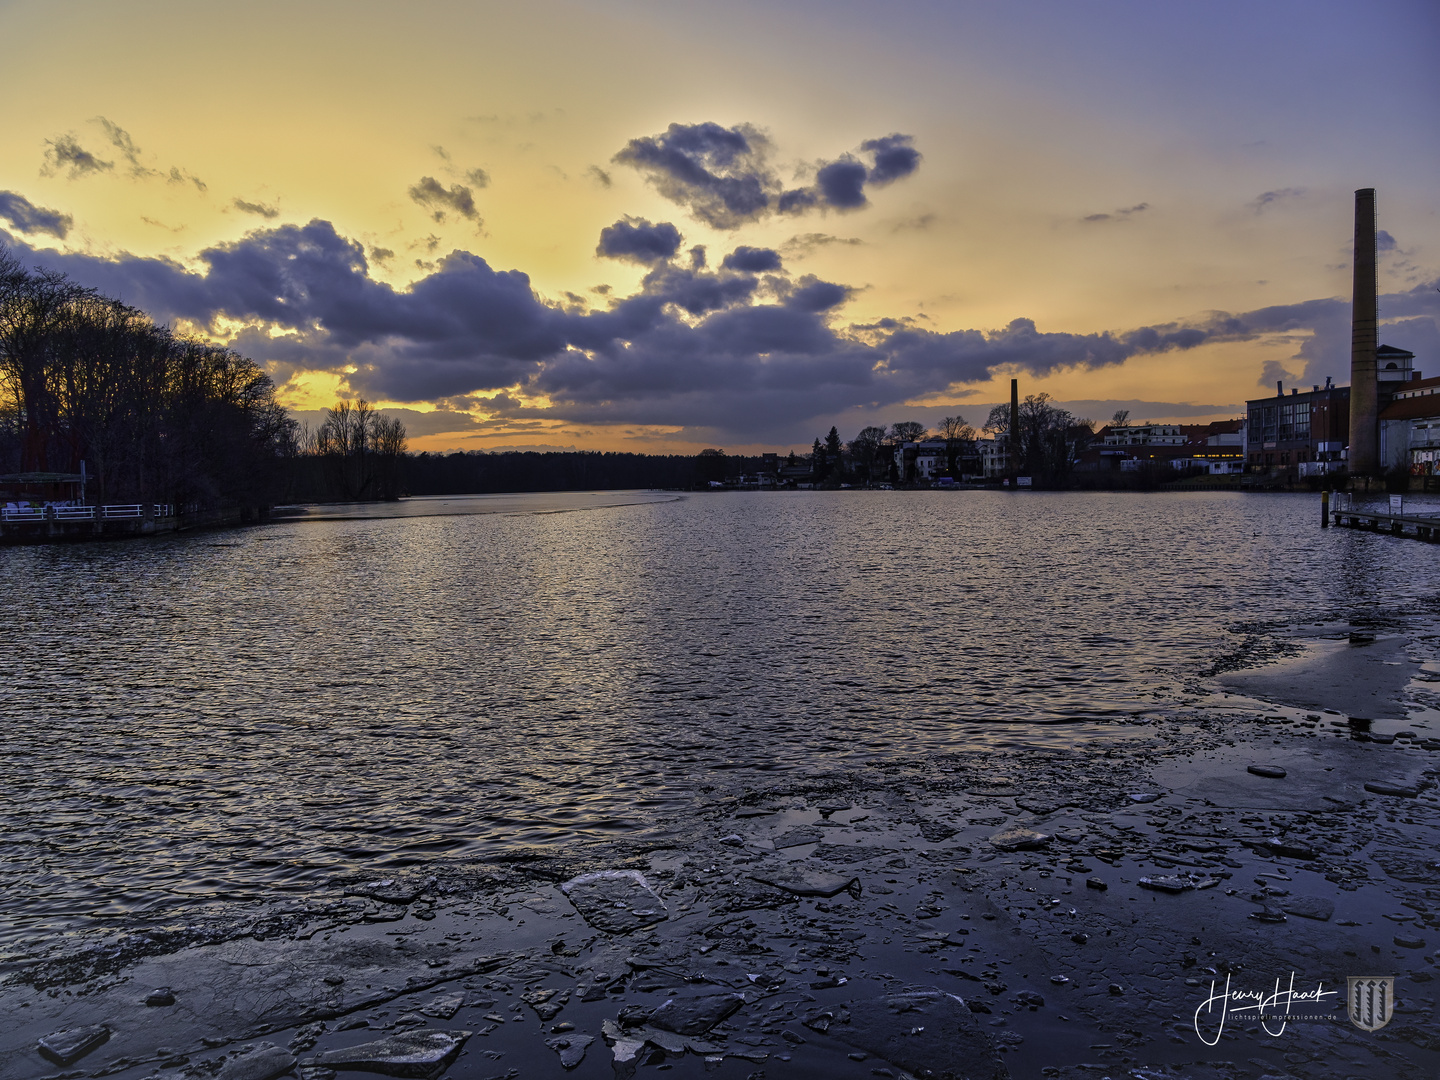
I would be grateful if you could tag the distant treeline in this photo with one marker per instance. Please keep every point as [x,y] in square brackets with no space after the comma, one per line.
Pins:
[480,473]
[155,416]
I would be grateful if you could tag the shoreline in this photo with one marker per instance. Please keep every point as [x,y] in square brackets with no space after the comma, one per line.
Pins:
[929,904]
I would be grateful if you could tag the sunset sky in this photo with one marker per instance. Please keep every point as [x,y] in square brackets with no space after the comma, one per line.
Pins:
[486,216]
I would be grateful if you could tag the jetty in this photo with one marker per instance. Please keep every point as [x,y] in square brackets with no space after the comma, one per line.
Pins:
[1392,519]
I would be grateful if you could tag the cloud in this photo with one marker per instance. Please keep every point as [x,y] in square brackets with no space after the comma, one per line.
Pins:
[803,244]
[479,177]
[637,240]
[1267,198]
[438,199]
[1384,241]
[752,260]
[269,213]
[1118,215]
[65,154]
[723,176]
[179,176]
[894,157]
[720,174]
[26,217]
[722,352]
[121,140]
[599,175]
[812,294]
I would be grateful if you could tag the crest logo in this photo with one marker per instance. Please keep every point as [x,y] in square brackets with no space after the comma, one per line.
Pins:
[1370,1000]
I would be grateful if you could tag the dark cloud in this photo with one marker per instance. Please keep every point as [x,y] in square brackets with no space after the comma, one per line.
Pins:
[479,177]
[812,294]
[841,184]
[697,290]
[269,213]
[1384,241]
[720,174]
[723,176]
[752,260]
[24,216]
[637,240]
[894,157]
[440,200]
[599,175]
[65,154]
[720,351]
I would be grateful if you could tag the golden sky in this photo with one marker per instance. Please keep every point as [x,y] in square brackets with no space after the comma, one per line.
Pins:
[1093,169]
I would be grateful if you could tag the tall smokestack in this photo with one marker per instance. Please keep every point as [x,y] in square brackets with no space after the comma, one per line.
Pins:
[1014,433]
[1364,410]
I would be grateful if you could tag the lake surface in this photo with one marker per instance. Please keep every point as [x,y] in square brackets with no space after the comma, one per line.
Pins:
[215,716]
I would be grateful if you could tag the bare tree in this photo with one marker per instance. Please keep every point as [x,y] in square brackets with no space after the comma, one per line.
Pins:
[865,447]
[959,438]
[908,431]
[153,415]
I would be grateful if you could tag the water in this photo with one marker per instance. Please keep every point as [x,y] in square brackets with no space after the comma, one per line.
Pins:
[214,716]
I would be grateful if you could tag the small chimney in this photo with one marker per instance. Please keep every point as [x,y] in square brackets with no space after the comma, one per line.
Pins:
[1279,388]
[1327,382]
[1294,390]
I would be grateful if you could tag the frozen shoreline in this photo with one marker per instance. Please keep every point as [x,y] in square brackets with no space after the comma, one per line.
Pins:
[937,905]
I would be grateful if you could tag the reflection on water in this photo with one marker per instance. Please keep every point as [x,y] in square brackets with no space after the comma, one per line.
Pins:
[218,714]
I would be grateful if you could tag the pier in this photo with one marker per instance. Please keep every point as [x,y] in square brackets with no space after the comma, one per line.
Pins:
[19,524]
[1392,519]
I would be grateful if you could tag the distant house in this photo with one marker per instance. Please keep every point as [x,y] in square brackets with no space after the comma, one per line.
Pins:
[1141,435]
[994,457]
[922,462]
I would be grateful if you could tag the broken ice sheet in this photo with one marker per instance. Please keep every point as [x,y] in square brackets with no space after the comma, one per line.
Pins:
[616,901]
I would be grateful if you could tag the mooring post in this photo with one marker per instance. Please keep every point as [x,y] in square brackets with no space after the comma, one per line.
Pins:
[1324,509]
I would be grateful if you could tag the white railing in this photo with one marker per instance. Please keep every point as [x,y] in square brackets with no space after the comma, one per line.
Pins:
[82,513]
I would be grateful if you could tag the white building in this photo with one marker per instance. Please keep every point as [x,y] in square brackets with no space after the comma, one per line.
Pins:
[1145,435]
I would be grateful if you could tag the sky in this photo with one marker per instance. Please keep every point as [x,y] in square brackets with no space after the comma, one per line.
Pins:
[659,227]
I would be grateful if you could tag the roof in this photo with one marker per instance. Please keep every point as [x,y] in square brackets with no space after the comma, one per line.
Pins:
[41,478]
[1390,352]
[1412,408]
[1404,389]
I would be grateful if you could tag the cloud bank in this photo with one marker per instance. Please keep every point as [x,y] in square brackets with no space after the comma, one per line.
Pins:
[741,352]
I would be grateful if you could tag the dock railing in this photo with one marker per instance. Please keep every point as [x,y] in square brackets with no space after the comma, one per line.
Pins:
[23,514]
[1344,512]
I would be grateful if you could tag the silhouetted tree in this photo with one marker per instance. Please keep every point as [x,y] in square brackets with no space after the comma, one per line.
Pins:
[155,416]
[865,448]
[959,439]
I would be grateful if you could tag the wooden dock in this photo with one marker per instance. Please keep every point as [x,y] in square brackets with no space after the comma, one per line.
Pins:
[1425,526]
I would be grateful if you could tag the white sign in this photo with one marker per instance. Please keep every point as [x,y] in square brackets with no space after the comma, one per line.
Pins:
[1022,481]
[1397,504]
